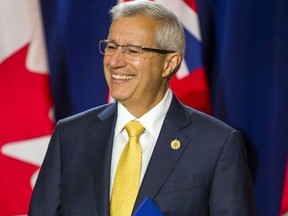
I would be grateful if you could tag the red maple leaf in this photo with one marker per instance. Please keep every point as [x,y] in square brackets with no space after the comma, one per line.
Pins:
[25,103]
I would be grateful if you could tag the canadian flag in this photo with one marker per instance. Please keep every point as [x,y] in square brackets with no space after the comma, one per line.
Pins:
[25,107]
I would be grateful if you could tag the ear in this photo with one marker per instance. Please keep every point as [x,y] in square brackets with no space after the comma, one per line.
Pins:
[171,64]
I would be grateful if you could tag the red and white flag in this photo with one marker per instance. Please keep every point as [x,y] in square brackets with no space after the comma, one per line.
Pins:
[26,106]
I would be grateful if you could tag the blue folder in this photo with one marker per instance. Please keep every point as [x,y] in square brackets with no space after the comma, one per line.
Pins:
[147,207]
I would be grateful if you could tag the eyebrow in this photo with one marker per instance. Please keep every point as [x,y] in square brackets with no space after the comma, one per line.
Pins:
[129,43]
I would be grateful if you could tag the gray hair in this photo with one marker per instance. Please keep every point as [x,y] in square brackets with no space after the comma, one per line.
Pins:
[169,35]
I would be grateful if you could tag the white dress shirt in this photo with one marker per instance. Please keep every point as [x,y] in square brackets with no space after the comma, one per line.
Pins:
[152,122]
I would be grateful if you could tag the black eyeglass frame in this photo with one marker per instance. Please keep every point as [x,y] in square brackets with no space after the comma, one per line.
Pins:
[161,51]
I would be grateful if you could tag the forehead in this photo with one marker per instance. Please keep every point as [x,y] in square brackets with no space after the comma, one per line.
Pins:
[134,30]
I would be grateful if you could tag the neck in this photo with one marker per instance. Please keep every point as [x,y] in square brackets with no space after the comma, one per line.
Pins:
[139,108]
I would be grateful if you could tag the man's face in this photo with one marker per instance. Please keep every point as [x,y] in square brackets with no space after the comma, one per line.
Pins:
[137,84]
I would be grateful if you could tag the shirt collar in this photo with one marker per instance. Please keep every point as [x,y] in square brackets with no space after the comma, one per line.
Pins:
[151,121]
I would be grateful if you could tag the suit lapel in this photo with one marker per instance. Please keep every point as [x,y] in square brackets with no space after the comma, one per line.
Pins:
[102,133]
[164,158]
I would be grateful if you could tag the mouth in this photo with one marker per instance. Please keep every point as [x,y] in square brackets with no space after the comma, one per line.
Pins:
[121,77]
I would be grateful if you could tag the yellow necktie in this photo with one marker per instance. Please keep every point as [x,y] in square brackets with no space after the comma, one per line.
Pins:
[127,177]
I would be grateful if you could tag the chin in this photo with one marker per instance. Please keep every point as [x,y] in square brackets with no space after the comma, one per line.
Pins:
[118,97]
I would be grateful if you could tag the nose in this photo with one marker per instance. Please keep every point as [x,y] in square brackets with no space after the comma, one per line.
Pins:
[118,58]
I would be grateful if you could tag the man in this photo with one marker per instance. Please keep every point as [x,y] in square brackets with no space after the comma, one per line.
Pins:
[190,163]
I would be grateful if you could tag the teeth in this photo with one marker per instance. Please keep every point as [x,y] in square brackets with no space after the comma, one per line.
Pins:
[121,77]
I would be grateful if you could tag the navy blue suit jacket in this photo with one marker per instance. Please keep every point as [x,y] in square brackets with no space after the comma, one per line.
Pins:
[207,175]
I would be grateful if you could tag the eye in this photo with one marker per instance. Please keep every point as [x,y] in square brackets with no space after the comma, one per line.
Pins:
[111,47]
[133,50]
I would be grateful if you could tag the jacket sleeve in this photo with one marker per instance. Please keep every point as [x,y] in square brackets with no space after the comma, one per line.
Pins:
[231,190]
[46,196]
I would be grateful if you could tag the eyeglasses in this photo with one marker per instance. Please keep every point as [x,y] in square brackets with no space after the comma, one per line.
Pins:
[133,52]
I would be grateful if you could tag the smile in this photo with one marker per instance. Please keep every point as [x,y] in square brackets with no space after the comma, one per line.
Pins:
[121,77]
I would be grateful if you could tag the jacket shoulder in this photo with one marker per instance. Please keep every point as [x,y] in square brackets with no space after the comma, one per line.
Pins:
[92,115]
[208,125]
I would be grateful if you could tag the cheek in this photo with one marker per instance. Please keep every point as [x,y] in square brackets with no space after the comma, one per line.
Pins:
[106,71]
[156,69]
[151,77]
[105,62]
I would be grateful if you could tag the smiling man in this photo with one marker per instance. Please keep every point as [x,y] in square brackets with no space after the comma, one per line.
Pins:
[147,144]
[140,77]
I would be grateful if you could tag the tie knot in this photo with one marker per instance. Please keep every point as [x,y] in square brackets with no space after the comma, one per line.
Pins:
[134,129]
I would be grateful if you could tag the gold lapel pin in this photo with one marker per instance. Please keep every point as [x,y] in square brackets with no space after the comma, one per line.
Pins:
[175,144]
